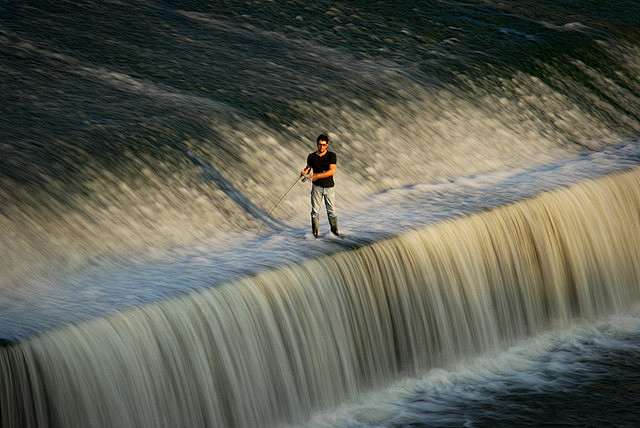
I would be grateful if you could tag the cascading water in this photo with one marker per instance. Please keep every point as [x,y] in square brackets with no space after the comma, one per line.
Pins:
[487,184]
[275,346]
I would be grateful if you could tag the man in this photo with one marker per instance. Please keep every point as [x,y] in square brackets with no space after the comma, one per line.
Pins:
[323,164]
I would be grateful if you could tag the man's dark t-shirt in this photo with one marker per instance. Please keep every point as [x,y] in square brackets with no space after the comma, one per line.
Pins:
[321,164]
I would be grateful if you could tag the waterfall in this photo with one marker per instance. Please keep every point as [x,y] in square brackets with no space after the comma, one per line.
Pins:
[273,347]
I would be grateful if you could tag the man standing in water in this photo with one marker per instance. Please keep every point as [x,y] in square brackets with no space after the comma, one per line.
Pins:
[323,164]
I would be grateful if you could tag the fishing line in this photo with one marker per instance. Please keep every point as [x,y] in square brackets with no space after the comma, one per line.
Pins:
[278,201]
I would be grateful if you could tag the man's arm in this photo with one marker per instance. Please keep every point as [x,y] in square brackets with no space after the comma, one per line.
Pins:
[329,173]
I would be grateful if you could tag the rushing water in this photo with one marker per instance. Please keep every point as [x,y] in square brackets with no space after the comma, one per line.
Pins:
[487,190]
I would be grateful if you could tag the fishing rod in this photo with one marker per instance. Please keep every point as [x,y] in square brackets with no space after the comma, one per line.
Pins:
[304,178]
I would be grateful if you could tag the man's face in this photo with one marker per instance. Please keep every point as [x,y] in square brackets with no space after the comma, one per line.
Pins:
[322,146]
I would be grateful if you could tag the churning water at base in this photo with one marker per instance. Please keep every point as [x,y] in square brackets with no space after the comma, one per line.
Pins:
[277,346]
[586,375]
